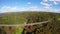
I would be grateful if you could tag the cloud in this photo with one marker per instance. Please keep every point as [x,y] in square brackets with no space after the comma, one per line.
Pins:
[56,10]
[8,9]
[11,9]
[28,2]
[15,9]
[55,3]
[46,5]
[33,8]
[44,0]
[55,0]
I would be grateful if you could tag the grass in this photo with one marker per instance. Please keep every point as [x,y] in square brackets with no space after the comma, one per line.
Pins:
[20,30]
[58,18]
[12,19]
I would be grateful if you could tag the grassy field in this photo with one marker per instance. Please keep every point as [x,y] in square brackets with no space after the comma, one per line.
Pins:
[12,19]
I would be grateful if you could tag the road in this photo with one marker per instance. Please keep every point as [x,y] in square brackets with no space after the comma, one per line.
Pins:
[24,24]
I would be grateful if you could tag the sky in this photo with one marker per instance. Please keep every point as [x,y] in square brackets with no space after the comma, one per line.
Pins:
[29,5]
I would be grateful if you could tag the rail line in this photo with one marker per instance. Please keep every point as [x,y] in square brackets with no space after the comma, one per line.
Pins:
[25,24]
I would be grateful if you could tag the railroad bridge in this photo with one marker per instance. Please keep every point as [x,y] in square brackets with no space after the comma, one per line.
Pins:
[8,29]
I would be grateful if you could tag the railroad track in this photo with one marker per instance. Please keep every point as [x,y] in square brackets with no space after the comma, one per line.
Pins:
[25,24]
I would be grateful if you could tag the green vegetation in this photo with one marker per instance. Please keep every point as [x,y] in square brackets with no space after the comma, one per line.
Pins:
[19,30]
[52,27]
[12,19]
[58,18]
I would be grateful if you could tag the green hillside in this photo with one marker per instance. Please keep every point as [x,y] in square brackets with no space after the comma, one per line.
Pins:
[12,18]
[52,27]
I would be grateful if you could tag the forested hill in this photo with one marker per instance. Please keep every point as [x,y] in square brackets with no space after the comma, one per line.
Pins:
[52,27]
[21,17]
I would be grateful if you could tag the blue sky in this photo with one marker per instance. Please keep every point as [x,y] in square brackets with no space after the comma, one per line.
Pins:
[29,5]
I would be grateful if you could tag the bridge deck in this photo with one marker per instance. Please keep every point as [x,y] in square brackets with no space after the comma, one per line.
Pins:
[24,24]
